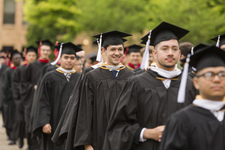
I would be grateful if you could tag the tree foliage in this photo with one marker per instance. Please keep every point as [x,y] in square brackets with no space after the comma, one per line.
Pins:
[64,19]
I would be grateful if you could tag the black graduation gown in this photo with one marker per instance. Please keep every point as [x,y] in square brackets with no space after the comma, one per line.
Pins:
[19,127]
[144,102]
[3,68]
[8,102]
[32,74]
[139,71]
[96,98]
[48,67]
[193,128]
[61,131]
[53,94]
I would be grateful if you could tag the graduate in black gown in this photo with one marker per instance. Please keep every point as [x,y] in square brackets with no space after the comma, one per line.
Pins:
[53,94]
[18,76]
[3,67]
[67,118]
[98,91]
[148,99]
[33,73]
[8,100]
[201,126]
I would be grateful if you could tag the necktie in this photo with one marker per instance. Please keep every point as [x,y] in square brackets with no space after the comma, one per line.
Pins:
[68,76]
[114,72]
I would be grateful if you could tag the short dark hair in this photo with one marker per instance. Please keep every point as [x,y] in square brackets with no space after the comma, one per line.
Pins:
[185,47]
[105,47]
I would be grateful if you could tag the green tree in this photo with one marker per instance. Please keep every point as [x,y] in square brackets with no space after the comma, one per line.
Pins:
[52,19]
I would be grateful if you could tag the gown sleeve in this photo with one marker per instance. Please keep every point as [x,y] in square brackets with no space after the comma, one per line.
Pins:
[43,108]
[176,133]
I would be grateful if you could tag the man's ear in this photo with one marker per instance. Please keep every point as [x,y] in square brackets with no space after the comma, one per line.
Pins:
[154,53]
[195,82]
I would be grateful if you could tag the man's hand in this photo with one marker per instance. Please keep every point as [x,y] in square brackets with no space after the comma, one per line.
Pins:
[155,133]
[47,129]
[35,87]
[88,147]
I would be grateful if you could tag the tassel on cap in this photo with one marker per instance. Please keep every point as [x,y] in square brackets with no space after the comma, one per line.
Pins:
[60,51]
[145,61]
[182,89]
[39,49]
[56,50]
[99,57]
[218,41]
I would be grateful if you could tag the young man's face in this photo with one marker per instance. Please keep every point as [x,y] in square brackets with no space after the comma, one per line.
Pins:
[45,52]
[114,54]
[16,60]
[2,54]
[78,66]
[68,61]
[135,58]
[210,88]
[31,57]
[81,54]
[166,54]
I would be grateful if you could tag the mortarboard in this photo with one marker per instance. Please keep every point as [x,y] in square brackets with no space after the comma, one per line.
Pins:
[31,49]
[91,57]
[208,56]
[112,37]
[67,48]
[164,32]
[45,42]
[220,39]
[133,48]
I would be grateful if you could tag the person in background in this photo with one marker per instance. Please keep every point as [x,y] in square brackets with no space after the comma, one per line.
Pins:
[8,101]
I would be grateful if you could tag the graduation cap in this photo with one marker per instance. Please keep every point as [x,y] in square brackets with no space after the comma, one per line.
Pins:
[206,56]
[112,37]
[164,32]
[133,48]
[220,39]
[31,49]
[109,38]
[79,45]
[92,57]
[67,48]
[45,42]
[13,53]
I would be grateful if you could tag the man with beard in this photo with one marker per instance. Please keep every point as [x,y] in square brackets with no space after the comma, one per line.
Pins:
[148,99]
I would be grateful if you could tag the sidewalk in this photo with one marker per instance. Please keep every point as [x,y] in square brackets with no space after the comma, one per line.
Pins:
[3,139]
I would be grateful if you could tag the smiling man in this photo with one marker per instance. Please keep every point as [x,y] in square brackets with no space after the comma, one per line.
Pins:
[53,94]
[148,99]
[201,126]
[98,91]
[32,74]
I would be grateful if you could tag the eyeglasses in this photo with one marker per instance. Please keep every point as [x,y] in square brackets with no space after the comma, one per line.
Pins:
[211,75]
